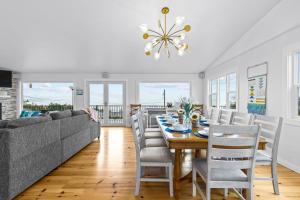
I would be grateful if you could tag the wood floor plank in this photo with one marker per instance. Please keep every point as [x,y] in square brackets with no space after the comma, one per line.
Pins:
[106,170]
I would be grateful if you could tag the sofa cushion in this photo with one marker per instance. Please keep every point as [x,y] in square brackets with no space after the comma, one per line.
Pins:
[72,125]
[61,114]
[27,121]
[78,112]
[3,123]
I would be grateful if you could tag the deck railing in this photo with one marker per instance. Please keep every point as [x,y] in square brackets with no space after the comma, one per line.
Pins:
[115,113]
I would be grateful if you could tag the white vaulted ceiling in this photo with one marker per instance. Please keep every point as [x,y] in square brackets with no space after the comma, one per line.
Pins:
[103,35]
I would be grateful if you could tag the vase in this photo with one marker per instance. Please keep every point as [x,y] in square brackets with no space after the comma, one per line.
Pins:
[180,119]
[187,120]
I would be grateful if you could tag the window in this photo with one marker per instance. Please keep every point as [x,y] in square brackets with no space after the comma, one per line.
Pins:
[232,90]
[157,94]
[213,93]
[297,81]
[48,96]
[223,92]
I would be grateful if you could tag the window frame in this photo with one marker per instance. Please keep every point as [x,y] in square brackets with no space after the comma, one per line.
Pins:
[216,93]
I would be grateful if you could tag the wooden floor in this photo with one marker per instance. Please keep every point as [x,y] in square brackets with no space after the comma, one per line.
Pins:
[106,170]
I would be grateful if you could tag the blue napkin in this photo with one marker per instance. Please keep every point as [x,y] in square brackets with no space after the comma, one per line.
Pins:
[203,120]
[171,131]
[175,117]
[163,120]
[160,117]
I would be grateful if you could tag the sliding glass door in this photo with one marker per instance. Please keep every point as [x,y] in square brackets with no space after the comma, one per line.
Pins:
[108,98]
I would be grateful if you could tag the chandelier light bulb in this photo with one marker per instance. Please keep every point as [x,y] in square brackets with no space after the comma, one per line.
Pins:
[157,56]
[176,41]
[144,28]
[180,52]
[182,36]
[149,46]
[179,20]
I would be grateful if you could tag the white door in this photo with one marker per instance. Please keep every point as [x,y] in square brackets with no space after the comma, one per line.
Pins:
[108,98]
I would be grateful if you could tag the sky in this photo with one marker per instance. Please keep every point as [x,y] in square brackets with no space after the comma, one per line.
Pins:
[149,93]
[152,93]
[46,93]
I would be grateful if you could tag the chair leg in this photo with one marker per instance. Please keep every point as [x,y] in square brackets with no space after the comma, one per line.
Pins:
[225,192]
[170,170]
[275,178]
[137,181]
[207,192]
[250,193]
[194,179]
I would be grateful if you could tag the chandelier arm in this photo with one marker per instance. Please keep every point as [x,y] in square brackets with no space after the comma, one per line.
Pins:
[171,29]
[165,24]
[155,32]
[154,45]
[160,46]
[173,44]
[174,36]
[161,29]
[176,32]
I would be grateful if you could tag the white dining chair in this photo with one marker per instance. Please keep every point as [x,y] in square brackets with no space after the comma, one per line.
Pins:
[239,118]
[271,129]
[150,139]
[225,117]
[228,155]
[148,132]
[150,157]
[214,115]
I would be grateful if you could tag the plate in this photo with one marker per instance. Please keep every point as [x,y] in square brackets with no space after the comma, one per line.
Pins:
[180,130]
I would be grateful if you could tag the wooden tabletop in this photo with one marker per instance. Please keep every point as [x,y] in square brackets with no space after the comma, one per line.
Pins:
[189,140]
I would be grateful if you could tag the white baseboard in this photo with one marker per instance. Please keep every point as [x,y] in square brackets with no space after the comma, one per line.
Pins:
[289,165]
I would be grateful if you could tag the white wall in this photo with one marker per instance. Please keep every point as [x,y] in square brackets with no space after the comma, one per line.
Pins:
[131,81]
[259,46]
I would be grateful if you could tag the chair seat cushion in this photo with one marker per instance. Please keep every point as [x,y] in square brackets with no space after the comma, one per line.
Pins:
[155,154]
[220,174]
[155,142]
[153,135]
[262,157]
[152,130]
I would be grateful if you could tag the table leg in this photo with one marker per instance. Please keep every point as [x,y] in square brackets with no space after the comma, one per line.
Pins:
[177,169]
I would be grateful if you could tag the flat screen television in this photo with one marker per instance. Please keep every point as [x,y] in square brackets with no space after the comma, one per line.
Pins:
[5,78]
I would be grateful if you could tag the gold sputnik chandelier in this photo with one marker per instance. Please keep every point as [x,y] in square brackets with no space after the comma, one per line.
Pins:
[165,38]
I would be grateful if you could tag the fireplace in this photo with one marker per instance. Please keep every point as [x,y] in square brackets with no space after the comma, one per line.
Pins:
[0,111]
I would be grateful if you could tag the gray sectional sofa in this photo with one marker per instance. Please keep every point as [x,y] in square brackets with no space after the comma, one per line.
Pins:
[31,148]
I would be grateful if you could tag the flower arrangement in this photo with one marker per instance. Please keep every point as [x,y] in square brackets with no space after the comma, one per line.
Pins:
[195,117]
[187,106]
[195,120]
[180,111]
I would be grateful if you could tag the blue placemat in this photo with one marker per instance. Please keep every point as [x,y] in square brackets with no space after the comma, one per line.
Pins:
[203,124]
[200,135]
[166,124]
[163,120]
[171,131]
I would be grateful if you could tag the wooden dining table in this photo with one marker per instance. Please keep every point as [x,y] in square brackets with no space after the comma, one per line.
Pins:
[181,141]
